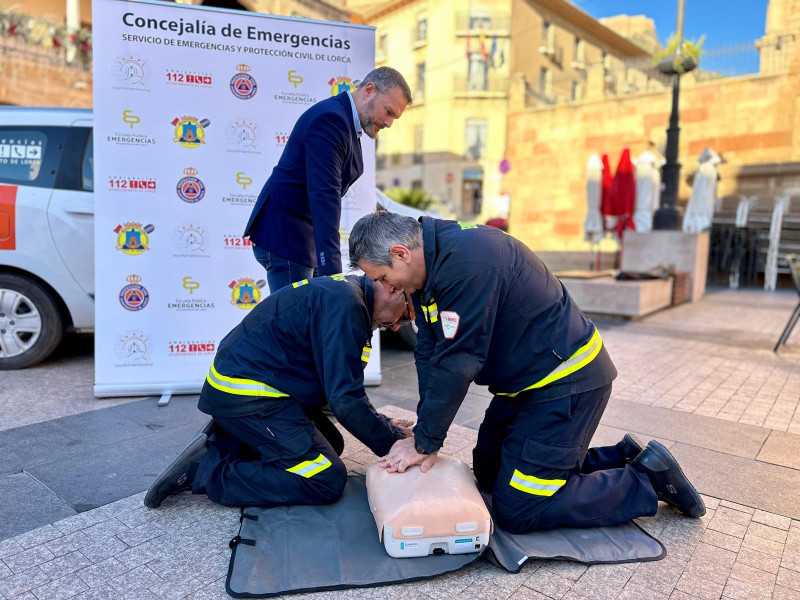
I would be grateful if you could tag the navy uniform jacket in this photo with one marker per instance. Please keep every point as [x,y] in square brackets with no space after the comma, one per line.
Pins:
[503,321]
[297,212]
[306,342]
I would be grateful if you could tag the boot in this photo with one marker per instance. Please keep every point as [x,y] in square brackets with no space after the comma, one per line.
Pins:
[668,481]
[630,447]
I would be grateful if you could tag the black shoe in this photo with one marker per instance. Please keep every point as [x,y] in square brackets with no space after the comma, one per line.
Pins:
[179,476]
[630,447]
[669,482]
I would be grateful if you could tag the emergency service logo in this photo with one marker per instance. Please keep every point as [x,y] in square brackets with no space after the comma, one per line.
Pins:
[131,184]
[246,292]
[131,134]
[130,73]
[191,347]
[134,296]
[190,131]
[193,302]
[280,139]
[133,349]
[243,85]
[133,238]
[243,198]
[293,96]
[195,79]
[341,84]
[190,188]
[232,241]
[243,136]
[189,241]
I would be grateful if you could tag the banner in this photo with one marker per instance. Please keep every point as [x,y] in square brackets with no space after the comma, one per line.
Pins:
[192,109]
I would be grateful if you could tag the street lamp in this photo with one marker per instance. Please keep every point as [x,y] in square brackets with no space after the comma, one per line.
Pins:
[666,217]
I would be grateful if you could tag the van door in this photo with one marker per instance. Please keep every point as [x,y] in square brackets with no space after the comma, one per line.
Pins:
[71,210]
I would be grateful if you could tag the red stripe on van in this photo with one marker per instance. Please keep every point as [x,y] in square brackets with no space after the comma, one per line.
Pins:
[8,201]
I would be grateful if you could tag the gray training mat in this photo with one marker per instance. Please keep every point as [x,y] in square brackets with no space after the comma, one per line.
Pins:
[291,549]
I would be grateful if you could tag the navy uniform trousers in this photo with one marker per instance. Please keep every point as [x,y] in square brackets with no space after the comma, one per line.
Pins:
[279,456]
[534,457]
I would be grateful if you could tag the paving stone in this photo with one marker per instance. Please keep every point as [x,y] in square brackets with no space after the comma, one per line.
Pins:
[4,570]
[104,529]
[660,576]
[38,536]
[68,543]
[700,587]
[633,591]
[61,589]
[28,558]
[766,546]
[781,449]
[791,560]
[25,504]
[103,548]
[9,546]
[768,533]
[786,578]
[22,582]
[140,578]
[713,554]
[740,590]
[176,586]
[602,582]
[526,593]
[758,560]
[738,507]
[548,583]
[708,570]
[66,564]
[565,568]
[138,555]
[783,593]
[103,592]
[749,574]
[773,520]
[101,572]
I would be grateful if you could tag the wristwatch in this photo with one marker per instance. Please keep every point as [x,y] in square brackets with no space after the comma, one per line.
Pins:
[419,450]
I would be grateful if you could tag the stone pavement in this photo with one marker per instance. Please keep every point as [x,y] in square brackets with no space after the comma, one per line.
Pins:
[701,378]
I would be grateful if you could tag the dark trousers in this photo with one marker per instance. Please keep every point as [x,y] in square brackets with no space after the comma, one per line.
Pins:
[281,271]
[277,457]
[534,457]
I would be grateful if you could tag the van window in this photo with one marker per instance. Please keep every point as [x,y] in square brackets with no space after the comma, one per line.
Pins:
[87,166]
[29,156]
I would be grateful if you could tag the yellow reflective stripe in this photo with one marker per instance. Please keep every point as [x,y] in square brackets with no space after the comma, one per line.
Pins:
[533,485]
[365,353]
[579,359]
[464,225]
[241,387]
[297,284]
[309,468]
[338,277]
[431,312]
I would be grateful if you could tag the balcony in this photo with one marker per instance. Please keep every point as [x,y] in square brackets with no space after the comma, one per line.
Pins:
[492,24]
[486,86]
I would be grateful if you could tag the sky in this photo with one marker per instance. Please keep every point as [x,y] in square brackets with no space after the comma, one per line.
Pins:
[724,22]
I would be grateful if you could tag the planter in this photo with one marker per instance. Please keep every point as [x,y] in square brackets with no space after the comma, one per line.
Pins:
[667,65]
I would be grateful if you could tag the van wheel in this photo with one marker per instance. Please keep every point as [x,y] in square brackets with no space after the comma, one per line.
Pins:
[30,322]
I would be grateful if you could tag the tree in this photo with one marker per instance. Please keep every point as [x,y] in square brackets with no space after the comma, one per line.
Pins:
[415,198]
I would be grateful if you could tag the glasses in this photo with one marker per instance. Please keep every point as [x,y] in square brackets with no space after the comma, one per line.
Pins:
[405,316]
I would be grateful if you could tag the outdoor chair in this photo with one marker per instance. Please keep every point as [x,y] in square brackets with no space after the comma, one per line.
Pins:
[794,269]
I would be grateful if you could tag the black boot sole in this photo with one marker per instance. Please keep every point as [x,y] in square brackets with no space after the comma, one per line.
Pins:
[666,457]
[160,488]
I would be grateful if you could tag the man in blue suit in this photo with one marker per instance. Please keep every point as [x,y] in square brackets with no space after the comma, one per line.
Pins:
[294,226]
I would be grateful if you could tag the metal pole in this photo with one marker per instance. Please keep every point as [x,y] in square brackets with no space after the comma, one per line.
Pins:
[666,216]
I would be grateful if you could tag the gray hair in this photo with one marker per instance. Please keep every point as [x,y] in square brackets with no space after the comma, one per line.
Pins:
[386,78]
[375,233]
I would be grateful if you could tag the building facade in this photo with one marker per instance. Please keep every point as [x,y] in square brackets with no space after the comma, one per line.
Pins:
[752,120]
[458,57]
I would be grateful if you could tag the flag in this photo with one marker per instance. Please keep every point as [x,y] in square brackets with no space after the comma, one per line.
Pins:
[502,56]
[468,49]
[484,54]
[494,48]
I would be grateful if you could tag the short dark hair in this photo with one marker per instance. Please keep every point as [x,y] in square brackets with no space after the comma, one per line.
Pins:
[373,235]
[386,78]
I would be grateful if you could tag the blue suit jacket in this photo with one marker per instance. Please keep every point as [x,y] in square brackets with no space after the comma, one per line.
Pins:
[297,212]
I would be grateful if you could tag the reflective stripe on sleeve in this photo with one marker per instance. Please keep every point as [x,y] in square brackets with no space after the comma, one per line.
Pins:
[582,357]
[241,387]
[533,485]
[365,353]
[297,284]
[309,468]
[431,312]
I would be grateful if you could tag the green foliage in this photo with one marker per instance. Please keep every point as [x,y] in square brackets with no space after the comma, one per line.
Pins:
[419,199]
[690,52]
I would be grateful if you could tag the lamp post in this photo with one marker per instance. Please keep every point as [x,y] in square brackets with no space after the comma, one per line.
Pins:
[666,217]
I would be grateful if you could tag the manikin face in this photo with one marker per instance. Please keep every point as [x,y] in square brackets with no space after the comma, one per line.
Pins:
[379,110]
[390,308]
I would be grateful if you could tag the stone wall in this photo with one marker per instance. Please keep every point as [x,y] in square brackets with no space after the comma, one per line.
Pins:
[752,121]
[32,78]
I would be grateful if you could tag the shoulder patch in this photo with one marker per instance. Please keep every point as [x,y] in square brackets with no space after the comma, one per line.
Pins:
[450,320]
